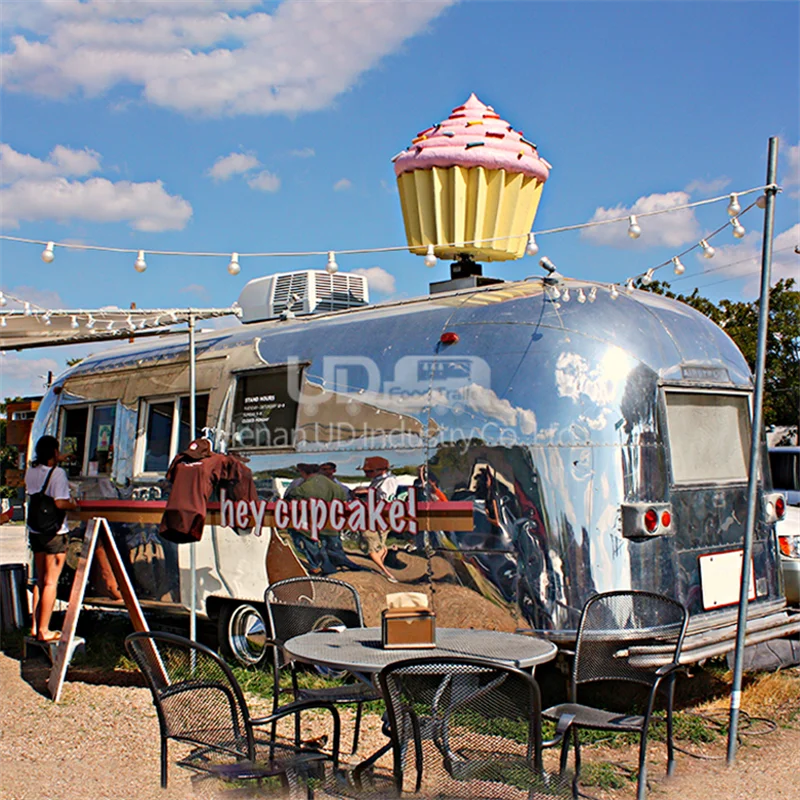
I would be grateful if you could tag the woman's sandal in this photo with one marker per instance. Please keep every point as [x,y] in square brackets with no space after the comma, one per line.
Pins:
[54,637]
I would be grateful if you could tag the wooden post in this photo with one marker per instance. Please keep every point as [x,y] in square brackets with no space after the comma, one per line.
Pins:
[97,530]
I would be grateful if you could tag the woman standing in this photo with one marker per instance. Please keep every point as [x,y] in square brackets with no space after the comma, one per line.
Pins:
[49,550]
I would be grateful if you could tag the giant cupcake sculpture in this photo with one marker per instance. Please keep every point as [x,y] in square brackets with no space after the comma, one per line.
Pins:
[470,186]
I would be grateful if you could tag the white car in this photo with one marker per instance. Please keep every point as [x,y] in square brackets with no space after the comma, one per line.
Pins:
[785,468]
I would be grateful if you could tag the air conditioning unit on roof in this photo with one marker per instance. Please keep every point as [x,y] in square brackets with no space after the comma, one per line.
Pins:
[312,291]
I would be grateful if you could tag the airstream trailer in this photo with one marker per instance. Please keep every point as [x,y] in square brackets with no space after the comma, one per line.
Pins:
[599,440]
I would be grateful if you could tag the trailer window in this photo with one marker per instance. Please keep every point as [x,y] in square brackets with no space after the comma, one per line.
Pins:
[709,436]
[92,425]
[167,429]
[265,408]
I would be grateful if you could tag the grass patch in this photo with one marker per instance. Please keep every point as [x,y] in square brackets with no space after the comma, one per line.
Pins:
[605,775]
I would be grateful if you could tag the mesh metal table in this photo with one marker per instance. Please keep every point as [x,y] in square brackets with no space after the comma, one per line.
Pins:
[359,650]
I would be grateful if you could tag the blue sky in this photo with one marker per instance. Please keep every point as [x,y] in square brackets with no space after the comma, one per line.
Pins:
[211,126]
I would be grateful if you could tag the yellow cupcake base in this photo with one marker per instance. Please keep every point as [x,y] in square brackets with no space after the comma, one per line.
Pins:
[487,213]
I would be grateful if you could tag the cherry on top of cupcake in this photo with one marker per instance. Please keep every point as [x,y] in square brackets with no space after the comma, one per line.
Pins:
[473,135]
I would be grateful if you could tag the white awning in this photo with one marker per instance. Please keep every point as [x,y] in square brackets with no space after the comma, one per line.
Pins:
[22,329]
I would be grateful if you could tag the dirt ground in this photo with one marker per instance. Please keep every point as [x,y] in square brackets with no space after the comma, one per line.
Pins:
[101,742]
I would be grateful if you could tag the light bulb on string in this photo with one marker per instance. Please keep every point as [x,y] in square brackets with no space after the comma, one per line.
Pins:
[592,294]
[28,311]
[46,318]
[173,316]
[738,228]
[130,323]
[3,301]
[48,253]
[647,278]
[677,266]
[233,266]
[110,325]
[629,287]
[708,250]
[90,322]
[565,294]
[733,206]
[581,296]
[555,293]
[531,248]
[3,322]
[761,201]
[332,267]
[613,292]
[140,265]
[430,257]
[634,231]
[74,324]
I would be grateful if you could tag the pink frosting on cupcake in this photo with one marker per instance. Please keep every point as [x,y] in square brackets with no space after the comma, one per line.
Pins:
[473,136]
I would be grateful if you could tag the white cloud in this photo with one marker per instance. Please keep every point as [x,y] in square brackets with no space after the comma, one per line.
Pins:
[226,167]
[791,164]
[668,230]
[61,161]
[144,206]
[303,152]
[712,187]
[44,298]
[198,57]
[265,181]
[379,279]
[196,289]
[342,185]
[743,259]
[21,376]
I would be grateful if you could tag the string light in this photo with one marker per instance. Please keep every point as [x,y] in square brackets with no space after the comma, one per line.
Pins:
[233,266]
[3,322]
[3,301]
[629,286]
[28,310]
[738,228]
[46,318]
[581,296]
[531,248]
[678,267]
[110,325]
[565,294]
[634,231]
[592,294]
[647,278]
[613,292]
[734,207]
[332,267]
[74,324]
[555,293]
[140,265]
[430,258]
[129,322]
[48,252]
[761,202]
[708,250]
[90,322]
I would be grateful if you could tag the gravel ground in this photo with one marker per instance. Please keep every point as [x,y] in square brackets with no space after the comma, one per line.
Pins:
[101,742]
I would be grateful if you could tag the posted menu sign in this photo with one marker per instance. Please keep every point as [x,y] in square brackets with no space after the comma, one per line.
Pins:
[265,407]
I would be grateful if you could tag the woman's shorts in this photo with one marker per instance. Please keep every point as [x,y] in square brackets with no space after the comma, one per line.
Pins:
[372,541]
[49,545]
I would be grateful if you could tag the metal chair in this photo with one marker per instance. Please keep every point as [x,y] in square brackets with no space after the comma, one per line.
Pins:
[200,702]
[619,633]
[301,605]
[474,727]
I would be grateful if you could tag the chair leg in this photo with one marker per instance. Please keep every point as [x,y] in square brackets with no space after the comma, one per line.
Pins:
[670,746]
[576,742]
[357,727]
[641,787]
[163,762]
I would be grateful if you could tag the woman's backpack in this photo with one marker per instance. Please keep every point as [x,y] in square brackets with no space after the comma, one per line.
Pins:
[44,516]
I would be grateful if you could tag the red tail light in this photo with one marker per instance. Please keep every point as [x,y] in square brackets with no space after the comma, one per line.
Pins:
[666,518]
[780,508]
[651,519]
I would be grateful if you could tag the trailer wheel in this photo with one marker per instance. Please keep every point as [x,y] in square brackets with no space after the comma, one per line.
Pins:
[242,633]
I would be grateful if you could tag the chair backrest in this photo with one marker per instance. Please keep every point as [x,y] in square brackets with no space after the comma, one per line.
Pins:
[196,695]
[301,605]
[474,726]
[613,622]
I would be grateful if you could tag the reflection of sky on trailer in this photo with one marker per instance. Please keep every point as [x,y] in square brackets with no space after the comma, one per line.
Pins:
[280,484]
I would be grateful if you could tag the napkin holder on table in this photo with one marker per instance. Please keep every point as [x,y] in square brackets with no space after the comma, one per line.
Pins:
[408,622]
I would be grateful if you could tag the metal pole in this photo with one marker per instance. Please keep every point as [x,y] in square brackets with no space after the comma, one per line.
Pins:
[755,441]
[192,433]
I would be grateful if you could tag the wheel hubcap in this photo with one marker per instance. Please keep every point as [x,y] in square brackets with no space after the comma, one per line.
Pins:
[247,634]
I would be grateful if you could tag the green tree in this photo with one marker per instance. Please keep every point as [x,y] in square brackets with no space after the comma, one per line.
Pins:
[8,455]
[740,322]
